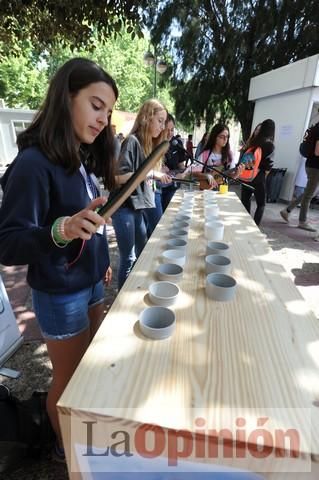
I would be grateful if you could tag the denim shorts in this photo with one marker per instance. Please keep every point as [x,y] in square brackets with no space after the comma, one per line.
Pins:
[62,316]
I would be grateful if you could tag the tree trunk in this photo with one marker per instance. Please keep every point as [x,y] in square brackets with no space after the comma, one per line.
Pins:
[244,112]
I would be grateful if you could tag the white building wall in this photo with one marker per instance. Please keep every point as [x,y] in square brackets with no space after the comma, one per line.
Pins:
[291,113]
[8,147]
[290,96]
[3,154]
[301,74]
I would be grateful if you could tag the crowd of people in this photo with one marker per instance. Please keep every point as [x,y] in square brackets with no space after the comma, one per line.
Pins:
[49,219]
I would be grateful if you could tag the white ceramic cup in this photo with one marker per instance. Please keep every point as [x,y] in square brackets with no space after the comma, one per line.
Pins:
[185,209]
[211,201]
[211,218]
[169,272]
[179,233]
[176,256]
[187,205]
[217,263]
[189,202]
[220,287]
[186,212]
[182,225]
[180,217]
[214,231]
[211,209]
[188,196]
[219,248]
[176,243]
[163,293]
[157,322]
[209,194]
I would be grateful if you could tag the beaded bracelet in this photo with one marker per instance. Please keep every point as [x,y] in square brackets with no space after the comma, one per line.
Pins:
[61,229]
[58,233]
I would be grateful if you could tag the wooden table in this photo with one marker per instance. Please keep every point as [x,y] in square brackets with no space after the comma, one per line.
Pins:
[234,365]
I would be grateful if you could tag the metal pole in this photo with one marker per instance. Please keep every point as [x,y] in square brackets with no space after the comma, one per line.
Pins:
[155,77]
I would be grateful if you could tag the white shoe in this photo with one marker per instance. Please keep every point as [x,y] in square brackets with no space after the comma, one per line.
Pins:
[306,226]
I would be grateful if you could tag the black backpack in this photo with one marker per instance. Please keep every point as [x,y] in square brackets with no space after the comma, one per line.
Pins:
[25,429]
[307,146]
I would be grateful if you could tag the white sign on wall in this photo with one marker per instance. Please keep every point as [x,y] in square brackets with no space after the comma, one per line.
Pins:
[286,131]
[10,336]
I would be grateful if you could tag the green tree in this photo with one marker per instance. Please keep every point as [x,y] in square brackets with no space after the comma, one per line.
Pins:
[42,21]
[218,46]
[24,76]
[122,57]
[23,80]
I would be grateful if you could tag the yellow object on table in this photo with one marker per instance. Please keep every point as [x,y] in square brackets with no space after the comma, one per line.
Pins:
[223,188]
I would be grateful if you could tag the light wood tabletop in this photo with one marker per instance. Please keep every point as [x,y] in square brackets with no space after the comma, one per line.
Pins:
[252,358]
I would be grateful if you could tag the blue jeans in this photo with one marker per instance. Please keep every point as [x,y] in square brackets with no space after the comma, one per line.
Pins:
[152,215]
[168,193]
[131,236]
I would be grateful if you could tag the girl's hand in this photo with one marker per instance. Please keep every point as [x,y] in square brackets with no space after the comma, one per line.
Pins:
[211,180]
[85,223]
[166,178]
[108,276]
[182,175]
[239,170]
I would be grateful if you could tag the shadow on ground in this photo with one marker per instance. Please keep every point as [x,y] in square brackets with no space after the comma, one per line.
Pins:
[307,275]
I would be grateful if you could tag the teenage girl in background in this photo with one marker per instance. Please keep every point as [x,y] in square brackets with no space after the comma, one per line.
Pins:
[129,221]
[263,137]
[217,154]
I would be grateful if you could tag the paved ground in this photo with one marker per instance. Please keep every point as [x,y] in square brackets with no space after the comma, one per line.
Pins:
[295,248]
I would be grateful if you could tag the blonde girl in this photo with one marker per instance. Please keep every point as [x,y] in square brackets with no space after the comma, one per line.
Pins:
[129,220]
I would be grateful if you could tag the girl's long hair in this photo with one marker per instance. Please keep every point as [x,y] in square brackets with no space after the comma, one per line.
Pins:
[212,140]
[264,132]
[52,127]
[204,139]
[142,125]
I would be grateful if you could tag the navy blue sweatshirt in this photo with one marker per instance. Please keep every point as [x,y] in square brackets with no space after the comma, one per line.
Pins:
[35,193]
